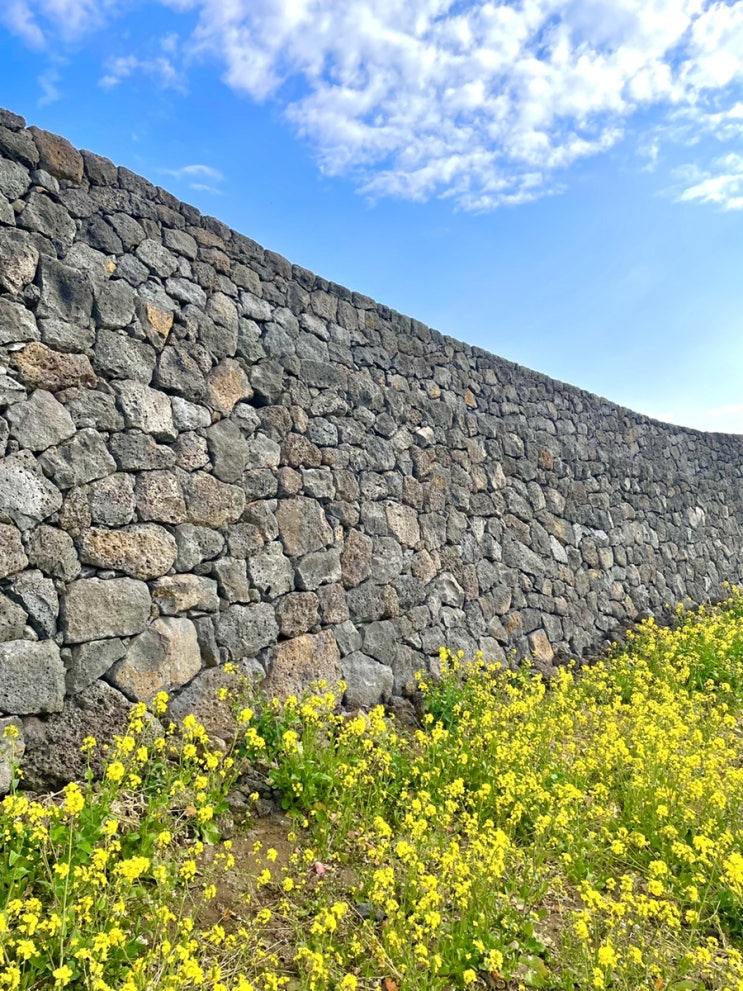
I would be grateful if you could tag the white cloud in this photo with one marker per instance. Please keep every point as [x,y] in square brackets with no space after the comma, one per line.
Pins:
[193,171]
[39,21]
[480,101]
[722,186]
[124,66]
[18,18]
[201,177]
[49,84]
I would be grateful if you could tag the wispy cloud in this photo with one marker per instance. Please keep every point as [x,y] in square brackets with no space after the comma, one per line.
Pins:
[38,21]
[201,177]
[49,84]
[721,186]
[726,410]
[159,68]
[486,103]
[16,16]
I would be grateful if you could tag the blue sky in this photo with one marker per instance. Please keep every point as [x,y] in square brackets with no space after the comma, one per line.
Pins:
[557,181]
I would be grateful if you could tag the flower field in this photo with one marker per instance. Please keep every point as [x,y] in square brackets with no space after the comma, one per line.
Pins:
[581,833]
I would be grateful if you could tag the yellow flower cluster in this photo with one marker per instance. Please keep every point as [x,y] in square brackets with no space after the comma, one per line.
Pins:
[572,834]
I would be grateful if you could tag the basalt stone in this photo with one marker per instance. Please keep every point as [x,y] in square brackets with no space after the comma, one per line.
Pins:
[32,677]
[54,744]
[267,381]
[356,558]
[146,409]
[26,496]
[129,267]
[92,408]
[210,502]
[112,500]
[210,651]
[245,630]
[52,551]
[40,422]
[232,578]
[270,571]
[159,497]
[13,620]
[403,523]
[519,556]
[142,550]
[39,599]
[92,263]
[83,458]
[7,216]
[11,121]
[297,451]
[226,385]
[348,637]
[43,215]
[318,483]
[57,156]
[262,452]
[61,335]
[189,416]
[101,235]
[18,146]
[177,371]
[74,517]
[297,612]
[157,258]
[66,292]
[196,544]
[369,602]
[114,304]
[10,391]
[14,180]
[262,515]
[128,229]
[12,555]
[201,699]
[40,367]
[19,258]
[333,605]
[541,650]
[220,341]
[178,593]
[181,243]
[185,291]
[135,451]
[367,681]
[229,450]
[319,568]
[90,661]
[191,452]
[303,526]
[165,656]
[298,662]
[157,322]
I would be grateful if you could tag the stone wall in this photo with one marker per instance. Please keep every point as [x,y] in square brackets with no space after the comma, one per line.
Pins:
[210,454]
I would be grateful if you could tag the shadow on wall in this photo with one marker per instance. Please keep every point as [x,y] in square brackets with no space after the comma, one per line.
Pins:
[210,454]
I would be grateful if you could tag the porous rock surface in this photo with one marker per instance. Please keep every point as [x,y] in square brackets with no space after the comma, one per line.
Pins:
[208,454]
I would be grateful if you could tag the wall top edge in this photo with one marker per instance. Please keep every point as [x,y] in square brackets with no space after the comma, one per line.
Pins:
[99,170]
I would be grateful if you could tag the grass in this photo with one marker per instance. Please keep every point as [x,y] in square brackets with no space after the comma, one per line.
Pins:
[578,834]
